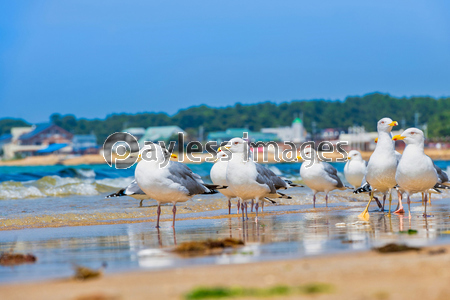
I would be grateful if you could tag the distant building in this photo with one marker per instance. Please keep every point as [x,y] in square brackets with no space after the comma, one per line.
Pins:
[46,134]
[223,136]
[138,132]
[160,133]
[362,140]
[295,133]
[84,144]
[29,140]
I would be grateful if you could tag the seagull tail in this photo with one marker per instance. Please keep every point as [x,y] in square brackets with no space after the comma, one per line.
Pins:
[436,190]
[118,194]
[284,196]
[365,188]
[293,184]
[441,186]
[215,186]
[270,200]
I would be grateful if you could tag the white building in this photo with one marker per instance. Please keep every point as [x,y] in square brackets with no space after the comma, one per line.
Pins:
[295,133]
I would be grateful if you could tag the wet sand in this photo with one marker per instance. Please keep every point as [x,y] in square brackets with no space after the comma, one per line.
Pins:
[292,244]
[365,275]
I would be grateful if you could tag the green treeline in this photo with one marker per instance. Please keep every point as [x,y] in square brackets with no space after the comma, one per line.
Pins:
[365,110]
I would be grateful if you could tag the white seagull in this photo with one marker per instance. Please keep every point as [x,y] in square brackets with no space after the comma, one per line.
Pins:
[168,181]
[249,180]
[218,176]
[132,190]
[416,172]
[355,168]
[382,164]
[319,176]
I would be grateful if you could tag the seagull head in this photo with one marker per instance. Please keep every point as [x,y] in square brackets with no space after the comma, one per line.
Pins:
[354,155]
[308,153]
[386,125]
[154,152]
[221,156]
[411,136]
[236,145]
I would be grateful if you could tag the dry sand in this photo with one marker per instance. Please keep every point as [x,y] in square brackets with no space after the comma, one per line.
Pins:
[364,275]
[92,159]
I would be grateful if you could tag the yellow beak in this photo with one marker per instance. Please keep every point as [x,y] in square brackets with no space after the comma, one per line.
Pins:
[376,140]
[173,156]
[394,123]
[398,137]
[299,157]
[348,158]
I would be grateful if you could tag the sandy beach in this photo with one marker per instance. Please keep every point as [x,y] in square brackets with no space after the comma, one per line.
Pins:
[420,274]
[92,159]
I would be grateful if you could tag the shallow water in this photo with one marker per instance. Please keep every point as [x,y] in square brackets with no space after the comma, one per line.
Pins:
[70,222]
[282,232]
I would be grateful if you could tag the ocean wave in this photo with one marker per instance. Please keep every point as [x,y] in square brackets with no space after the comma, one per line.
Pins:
[56,186]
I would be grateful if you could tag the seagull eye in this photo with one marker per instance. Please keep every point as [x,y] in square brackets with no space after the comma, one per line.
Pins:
[412,132]
[382,122]
[236,143]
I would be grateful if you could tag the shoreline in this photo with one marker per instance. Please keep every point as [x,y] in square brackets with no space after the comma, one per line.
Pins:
[359,275]
[97,159]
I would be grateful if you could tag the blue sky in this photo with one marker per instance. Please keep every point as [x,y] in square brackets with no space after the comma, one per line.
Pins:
[93,58]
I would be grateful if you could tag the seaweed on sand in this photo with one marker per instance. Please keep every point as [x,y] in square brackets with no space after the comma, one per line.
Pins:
[279,290]
[207,247]
[389,248]
[11,259]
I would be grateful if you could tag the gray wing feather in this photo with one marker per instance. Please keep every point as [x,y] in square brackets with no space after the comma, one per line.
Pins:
[266,176]
[133,189]
[181,174]
[443,177]
[332,172]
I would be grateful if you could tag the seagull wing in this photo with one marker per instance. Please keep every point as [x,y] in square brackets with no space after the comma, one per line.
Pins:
[181,174]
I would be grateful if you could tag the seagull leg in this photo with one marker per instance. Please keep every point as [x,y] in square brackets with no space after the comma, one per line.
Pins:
[246,211]
[238,205]
[229,206]
[429,198]
[380,206]
[326,200]
[365,214]
[422,197]
[140,204]
[399,209]
[425,202]
[409,206]
[390,200]
[174,210]
[384,200]
[253,203]
[314,201]
[242,209]
[158,212]
[262,206]
[256,208]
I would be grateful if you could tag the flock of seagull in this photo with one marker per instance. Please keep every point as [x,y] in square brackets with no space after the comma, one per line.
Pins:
[236,175]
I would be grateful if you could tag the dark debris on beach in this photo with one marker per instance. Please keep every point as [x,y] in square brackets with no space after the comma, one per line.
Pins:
[13,259]
[390,248]
[208,247]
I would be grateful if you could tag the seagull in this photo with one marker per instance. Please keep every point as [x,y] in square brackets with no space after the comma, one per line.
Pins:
[382,164]
[249,180]
[218,176]
[355,168]
[168,181]
[132,190]
[319,176]
[416,172]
